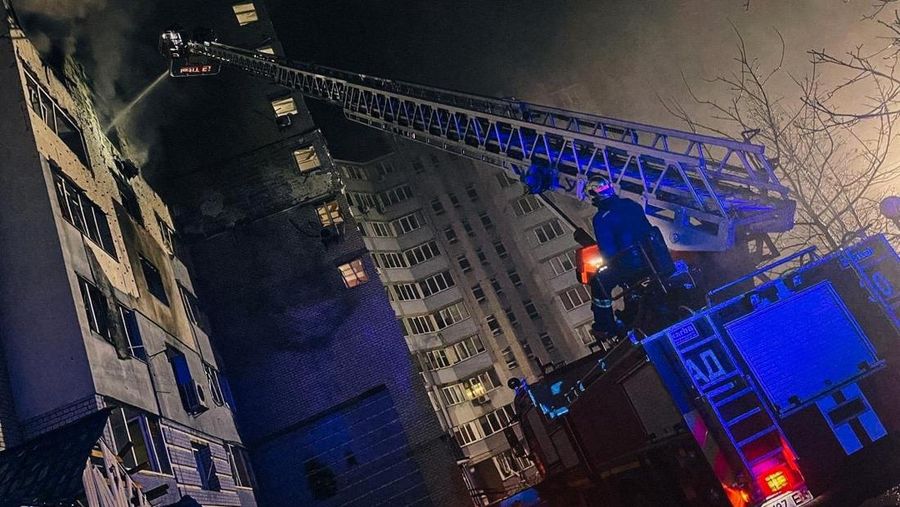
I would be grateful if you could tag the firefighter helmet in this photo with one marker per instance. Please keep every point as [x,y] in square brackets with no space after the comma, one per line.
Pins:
[599,189]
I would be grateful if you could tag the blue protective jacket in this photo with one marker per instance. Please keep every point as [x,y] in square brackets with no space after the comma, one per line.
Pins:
[619,224]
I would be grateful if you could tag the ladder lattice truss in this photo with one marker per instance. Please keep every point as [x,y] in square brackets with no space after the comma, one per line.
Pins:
[704,192]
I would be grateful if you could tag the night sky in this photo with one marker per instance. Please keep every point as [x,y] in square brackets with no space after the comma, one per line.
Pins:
[617,58]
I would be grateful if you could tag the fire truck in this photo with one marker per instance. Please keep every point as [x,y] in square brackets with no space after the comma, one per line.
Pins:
[764,394]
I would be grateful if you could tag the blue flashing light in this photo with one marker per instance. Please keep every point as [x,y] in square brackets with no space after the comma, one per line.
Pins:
[556,388]
[540,178]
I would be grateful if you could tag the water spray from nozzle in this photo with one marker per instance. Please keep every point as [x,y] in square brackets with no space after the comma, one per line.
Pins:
[121,115]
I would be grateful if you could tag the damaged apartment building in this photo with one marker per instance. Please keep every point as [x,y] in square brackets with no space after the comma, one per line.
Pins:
[98,314]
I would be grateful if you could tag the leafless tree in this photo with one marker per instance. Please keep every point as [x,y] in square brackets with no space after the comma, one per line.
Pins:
[837,161]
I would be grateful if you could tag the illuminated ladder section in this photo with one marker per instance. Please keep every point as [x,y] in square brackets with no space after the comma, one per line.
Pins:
[737,403]
[704,192]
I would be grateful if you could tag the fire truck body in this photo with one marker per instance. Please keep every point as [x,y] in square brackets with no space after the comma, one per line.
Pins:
[767,398]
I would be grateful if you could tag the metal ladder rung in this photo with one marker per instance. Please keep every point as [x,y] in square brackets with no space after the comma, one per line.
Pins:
[732,397]
[744,416]
[764,457]
[756,436]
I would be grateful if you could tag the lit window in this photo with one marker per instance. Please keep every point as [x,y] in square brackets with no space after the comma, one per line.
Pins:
[284,106]
[354,273]
[245,13]
[268,50]
[330,214]
[307,159]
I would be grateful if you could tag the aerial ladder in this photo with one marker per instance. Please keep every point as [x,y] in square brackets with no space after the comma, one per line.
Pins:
[705,193]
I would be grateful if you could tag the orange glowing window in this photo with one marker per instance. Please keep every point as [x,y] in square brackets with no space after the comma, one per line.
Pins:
[330,214]
[588,262]
[353,273]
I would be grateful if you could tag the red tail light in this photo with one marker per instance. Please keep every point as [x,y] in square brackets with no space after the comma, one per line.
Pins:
[589,263]
[776,480]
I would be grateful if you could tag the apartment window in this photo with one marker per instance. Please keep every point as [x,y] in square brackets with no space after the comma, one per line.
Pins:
[353,273]
[453,199]
[471,388]
[495,284]
[584,334]
[154,281]
[266,50]
[437,207]
[405,291]
[514,277]
[509,464]
[395,195]
[212,378]
[245,13]
[478,292]
[286,106]
[485,220]
[166,233]
[548,230]
[468,348]
[129,200]
[547,342]
[306,158]
[132,333]
[419,254]
[481,257]
[354,172]
[509,358]
[137,439]
[362,201]
[438,359]
[190,396]
[407,223]
[205,467]
[527,204]
[191,306]
[460,351]
[382,169]
[96,307]
[467,433]
[453,395]
[418,166]
[81,212]
[511,315]
[468,228]
[471,192]
[450,234]
[390,260]
[500,249]
[379,230]
[562,263]
[531,310]
[57,119]
[436,283]
[464,264]
[330,214]
[497,420]
[574,297]
[240,466]
[493,324]
[450,315]
[420,324]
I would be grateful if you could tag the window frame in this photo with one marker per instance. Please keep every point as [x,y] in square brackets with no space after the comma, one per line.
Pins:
[358,269]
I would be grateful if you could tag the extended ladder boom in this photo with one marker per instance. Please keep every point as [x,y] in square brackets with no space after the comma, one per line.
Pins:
[704,192]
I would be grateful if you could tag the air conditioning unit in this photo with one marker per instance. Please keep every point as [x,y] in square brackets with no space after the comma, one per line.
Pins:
[481,400]
[199,403]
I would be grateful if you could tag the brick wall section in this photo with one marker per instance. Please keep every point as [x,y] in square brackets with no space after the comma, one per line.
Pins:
[61,416]
[184,467]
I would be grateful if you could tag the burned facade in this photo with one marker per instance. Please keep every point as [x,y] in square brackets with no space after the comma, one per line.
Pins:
[97,309]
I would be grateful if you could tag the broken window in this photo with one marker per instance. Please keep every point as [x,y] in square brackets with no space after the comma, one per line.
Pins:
[81,212]
[245,13]
[96,307]
[240,466]
[353,273]
[132,333]
[205,467]
[56,119]
[215,388]
[137,439]
[166,233]
[306,158]
[154,281]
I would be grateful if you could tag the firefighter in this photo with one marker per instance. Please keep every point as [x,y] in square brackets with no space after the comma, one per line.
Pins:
[620,225]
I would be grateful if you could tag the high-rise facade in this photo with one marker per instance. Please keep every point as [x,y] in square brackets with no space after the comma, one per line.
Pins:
[482,278]
[329,403]
[97,309]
